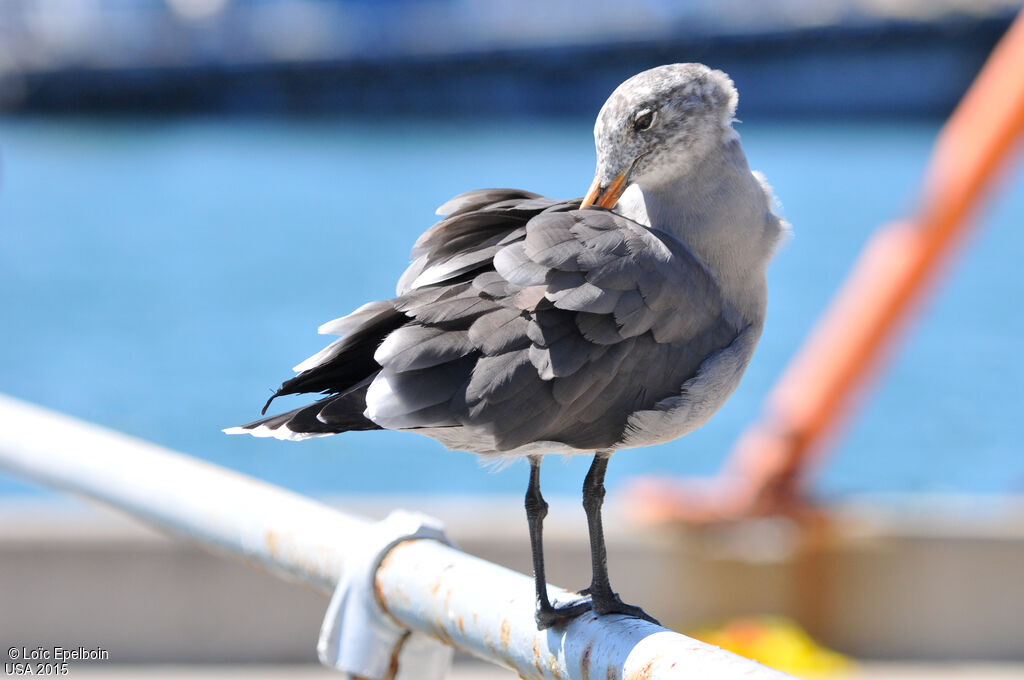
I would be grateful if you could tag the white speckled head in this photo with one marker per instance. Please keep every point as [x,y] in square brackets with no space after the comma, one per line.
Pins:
[659,123]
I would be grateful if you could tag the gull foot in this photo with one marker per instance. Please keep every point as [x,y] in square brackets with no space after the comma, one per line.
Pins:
[613,605]
[553,616]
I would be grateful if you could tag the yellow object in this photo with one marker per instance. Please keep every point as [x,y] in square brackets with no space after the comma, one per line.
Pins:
[778,643]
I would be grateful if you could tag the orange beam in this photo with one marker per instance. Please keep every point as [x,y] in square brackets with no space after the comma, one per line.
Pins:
[816,392]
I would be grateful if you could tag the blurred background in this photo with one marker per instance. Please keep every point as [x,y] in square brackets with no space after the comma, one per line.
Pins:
[188,188]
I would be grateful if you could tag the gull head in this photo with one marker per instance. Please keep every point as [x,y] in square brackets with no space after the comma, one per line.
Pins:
[657,126]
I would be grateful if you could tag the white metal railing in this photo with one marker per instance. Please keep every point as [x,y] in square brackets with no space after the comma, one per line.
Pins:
[388,578]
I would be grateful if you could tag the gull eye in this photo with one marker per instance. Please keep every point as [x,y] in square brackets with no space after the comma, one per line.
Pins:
[643,120]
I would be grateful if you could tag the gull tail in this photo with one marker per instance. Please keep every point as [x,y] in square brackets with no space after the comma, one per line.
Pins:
[337,413]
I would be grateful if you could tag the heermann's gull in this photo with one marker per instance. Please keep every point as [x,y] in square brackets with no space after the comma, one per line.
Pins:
[527,325]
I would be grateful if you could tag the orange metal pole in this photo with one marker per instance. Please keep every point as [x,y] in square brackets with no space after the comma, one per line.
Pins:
[816,392]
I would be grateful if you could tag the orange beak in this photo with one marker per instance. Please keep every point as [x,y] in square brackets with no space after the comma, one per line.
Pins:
[606,197]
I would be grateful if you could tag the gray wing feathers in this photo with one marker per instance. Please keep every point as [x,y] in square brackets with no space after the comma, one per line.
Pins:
[415,346]
[493,285]
[477,224]
[451,267]
[580,295]
[497,378]
[365,316]
[571,391]
[400,393]
[545,340]
[500,331]
[554,246]
[523,319]
[478,198]
[361,316]
[600,329]
[514,265]
[467,305]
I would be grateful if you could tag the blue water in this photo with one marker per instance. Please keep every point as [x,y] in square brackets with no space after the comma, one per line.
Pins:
[161,277]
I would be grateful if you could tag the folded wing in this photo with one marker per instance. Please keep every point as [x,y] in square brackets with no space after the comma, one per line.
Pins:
[521,319]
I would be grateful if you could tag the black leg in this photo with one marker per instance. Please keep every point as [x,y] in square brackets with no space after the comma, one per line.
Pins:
[536,511]
[604,600]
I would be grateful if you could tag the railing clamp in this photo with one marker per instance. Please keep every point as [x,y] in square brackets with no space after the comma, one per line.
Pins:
[358,636]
